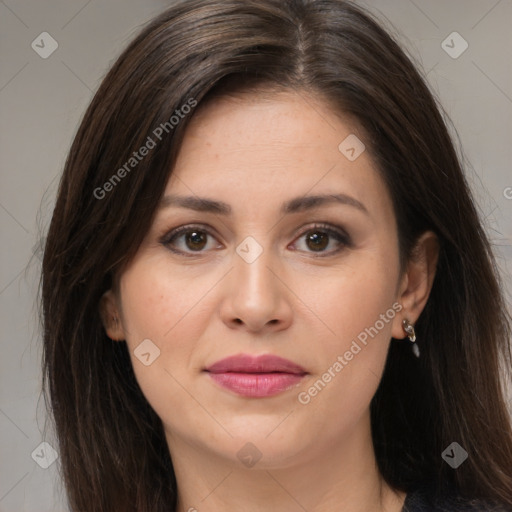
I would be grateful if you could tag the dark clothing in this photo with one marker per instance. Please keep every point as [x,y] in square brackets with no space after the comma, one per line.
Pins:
[426,501]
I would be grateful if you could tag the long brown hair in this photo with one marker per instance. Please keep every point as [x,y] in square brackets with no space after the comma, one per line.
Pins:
[112,446]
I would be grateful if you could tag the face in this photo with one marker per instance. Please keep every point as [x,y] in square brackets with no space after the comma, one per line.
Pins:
[261,270]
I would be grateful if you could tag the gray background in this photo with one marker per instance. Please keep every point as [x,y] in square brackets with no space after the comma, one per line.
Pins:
[42,101]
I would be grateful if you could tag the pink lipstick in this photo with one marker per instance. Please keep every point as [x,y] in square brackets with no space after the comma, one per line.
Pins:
[256,376]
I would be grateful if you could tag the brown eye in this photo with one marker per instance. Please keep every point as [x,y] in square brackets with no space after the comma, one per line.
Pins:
[318,238]
[195,240]
[187,240]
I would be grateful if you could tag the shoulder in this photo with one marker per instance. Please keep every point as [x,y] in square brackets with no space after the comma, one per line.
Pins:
[425,500]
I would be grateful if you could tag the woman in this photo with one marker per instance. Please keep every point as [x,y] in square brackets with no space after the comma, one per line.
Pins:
[265,283]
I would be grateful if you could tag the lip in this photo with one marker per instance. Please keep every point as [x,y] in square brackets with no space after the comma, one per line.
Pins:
[256,376]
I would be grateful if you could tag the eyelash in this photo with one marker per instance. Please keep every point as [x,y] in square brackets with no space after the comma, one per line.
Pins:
[336,233]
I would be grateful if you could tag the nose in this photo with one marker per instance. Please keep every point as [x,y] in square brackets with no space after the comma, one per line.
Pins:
[256,297]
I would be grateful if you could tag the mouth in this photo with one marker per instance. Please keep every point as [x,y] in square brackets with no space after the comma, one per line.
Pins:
[257,377]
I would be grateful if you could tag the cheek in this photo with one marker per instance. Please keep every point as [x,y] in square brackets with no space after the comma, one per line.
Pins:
[352,299]
[157,304]
[358,310]
[356,305]
[170,312]
[166,310]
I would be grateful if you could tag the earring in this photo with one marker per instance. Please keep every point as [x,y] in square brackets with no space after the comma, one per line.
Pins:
[411,334]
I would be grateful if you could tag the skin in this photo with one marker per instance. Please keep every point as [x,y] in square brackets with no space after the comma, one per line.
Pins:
[254,152]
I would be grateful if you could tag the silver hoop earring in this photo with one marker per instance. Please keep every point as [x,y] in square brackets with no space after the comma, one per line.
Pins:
[411,334]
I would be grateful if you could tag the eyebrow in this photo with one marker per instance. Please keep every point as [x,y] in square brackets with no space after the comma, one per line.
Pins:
[297,204]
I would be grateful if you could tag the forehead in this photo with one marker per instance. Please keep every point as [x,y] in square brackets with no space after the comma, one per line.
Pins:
[253,150]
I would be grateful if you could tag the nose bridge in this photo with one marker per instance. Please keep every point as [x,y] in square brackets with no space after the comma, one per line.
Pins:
[252,262]
[256,297]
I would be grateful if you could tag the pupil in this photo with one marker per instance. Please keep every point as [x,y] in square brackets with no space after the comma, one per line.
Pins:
[195,238]
[319,240]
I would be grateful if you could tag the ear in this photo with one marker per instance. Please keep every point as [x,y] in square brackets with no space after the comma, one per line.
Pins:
[110,317]
[417,281]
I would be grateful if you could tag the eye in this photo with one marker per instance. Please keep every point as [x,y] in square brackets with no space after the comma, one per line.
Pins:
[319,237]
[190,239]
[193,239]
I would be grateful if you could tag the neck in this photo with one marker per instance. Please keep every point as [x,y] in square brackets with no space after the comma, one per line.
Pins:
[330,478]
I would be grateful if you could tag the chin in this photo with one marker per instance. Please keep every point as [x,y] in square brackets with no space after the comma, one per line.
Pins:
[261,447]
